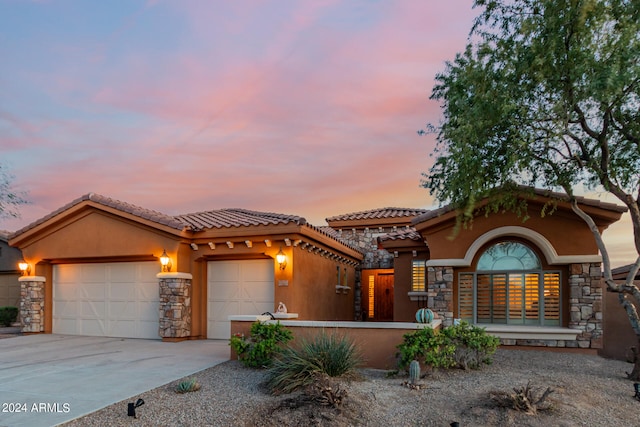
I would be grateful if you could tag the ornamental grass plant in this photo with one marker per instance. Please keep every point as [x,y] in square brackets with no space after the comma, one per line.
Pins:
[299,366]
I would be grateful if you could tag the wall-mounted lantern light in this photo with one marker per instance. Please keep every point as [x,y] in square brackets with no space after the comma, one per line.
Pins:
[165,261]
[24,267]
[281,258]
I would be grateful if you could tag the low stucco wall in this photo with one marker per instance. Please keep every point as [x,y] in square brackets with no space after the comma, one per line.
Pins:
[377,341]
[618,333]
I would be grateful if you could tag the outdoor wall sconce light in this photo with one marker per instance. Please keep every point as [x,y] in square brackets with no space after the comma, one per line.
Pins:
[165,261]
[281,258]
[24,267]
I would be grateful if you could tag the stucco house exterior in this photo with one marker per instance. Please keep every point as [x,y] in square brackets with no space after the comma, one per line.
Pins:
[9,273]
[534,283]
[96,270]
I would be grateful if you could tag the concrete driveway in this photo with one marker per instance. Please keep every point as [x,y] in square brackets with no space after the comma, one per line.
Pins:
[47,379]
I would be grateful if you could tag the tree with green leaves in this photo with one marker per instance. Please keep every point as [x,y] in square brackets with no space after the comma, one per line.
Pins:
[545,94]
[9,199]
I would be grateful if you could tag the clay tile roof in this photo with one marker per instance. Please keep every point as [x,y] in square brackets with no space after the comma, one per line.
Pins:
[622,272]
[402,234]
[378,213]
[148,214]
[538,191]
[236,218]
[431,214]
[329,231]
[581,200]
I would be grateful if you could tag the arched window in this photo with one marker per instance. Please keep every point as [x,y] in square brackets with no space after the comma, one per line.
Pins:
[510,287]
[508,256]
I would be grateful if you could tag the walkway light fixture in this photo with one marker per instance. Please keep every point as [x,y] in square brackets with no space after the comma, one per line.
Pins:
[165,261]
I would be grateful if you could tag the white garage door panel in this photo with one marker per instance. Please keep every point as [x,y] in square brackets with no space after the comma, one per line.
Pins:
[113,299]
[237,287]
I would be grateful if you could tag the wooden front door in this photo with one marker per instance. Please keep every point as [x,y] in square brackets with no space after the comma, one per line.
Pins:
[377,295]
[384,298]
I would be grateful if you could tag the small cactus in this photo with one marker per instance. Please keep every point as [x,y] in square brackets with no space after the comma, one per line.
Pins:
[414,372]
[188,386]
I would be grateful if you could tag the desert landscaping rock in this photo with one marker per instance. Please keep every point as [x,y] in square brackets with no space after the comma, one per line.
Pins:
[589,390]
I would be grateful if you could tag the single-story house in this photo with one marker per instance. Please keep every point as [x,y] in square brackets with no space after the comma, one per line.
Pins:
[96,270]
[9,273]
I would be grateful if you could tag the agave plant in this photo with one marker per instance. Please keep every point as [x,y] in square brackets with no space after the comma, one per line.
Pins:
[187,386]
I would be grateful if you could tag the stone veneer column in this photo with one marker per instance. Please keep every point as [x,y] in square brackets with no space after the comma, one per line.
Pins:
[357,295]
[175,305]
[585,304]
[440,292]
[32,303]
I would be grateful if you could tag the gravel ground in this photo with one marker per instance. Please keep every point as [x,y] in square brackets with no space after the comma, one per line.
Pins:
[588,391]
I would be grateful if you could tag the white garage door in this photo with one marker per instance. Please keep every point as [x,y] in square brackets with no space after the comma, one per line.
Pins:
[110,300]
[237,287]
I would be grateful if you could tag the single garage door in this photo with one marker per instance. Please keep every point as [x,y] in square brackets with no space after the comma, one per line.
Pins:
[108,300]
[237,287]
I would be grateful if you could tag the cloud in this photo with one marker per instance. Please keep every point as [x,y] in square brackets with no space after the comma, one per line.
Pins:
[307,107]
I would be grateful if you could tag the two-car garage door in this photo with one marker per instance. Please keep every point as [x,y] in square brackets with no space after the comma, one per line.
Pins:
[110,299]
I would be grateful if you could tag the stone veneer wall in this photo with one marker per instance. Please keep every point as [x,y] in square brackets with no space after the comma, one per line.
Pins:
[175,305]
[440,293]
[367,240]
[32,303]
[585,304]
[357,295]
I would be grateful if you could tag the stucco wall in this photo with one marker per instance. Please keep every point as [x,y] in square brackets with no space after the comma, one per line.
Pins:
[9,274]
[554,228]
[618,333]
[9,258]
[312,292]
[9,290]
[98,234]
[405,309]
[377,345]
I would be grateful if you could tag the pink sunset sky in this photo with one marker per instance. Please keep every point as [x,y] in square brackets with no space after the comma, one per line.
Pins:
[299,107]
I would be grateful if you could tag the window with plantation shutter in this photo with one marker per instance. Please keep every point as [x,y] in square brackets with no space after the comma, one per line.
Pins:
[510,287]
[465,297]
[418,276]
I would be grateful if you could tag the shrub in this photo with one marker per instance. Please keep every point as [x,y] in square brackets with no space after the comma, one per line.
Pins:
[463,346]
[473,346]
[263,344]
[188,386]
[8,315]
[326,354]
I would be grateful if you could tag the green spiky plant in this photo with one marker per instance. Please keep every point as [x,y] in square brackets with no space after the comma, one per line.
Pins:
[188,386]
[327,354]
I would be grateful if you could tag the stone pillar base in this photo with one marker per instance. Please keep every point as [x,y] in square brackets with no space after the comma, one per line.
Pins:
[32,304]
[175,306]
